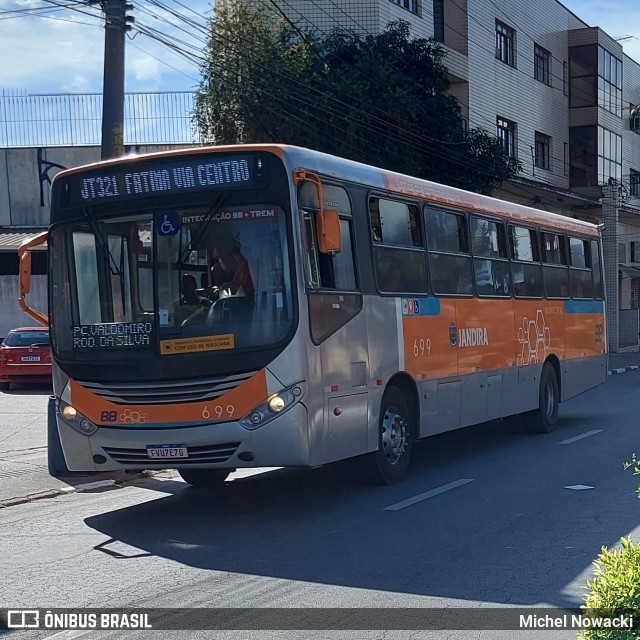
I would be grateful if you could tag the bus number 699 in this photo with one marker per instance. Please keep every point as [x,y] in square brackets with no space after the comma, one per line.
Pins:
[219,412]
[422,346]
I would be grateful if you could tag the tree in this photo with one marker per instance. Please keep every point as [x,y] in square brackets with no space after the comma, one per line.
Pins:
[380,99]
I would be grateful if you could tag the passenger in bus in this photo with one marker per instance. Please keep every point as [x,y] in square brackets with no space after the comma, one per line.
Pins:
[191,304]
[189,292]
[219,275]
[232,261]
[484,277]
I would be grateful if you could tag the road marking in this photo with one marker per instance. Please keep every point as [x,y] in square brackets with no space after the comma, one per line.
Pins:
[68,635]
[89,486]
[580,437]
[428,494]
[579,487]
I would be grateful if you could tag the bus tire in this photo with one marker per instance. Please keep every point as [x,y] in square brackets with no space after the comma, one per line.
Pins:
[390,463]
[544,418]
[204,477]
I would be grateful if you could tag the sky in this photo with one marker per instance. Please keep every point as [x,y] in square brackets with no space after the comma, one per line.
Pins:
[57,46]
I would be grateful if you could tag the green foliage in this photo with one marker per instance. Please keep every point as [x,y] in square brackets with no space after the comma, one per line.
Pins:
[614,589]
[380,99]
[634,464]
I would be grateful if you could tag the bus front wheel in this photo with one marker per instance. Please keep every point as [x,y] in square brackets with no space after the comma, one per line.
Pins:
[544,418]
[390,462]
[204,477]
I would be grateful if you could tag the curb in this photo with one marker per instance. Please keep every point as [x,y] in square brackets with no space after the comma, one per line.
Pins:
[633,367]
[54,493]
[63,491]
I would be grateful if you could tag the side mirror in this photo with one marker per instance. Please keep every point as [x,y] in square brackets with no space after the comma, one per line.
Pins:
[25,273]
[327,220]
[24,276]
[328,230]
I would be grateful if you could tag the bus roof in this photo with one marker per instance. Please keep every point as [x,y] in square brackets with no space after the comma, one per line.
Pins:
[374,178]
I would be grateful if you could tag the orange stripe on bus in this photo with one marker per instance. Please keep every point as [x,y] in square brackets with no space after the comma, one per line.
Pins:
[232,405]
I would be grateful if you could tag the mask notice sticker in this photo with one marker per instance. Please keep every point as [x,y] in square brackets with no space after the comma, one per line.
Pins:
[192,345]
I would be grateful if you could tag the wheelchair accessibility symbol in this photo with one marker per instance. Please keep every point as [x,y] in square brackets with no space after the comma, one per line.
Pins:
[167,224]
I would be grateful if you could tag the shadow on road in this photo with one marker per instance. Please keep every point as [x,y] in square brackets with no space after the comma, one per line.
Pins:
[514,535]
[28,390]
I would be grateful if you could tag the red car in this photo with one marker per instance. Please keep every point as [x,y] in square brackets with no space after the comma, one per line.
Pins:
[25,357]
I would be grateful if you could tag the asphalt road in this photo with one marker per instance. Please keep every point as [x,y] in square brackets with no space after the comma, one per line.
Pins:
[488,518]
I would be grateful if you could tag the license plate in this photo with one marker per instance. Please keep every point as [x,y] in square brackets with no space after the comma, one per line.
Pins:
[30,358]
[164,451]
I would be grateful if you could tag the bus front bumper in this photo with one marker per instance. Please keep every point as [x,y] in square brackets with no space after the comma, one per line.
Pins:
[224,445]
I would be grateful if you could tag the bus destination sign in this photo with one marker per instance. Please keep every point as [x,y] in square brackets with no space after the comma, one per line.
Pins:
[113,335]
[162,177]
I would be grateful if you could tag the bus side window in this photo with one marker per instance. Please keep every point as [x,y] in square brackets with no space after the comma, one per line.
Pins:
[490,260]
[580,268]
[554,269]
[527,270]
[398,251]
[329,270]
[449,256]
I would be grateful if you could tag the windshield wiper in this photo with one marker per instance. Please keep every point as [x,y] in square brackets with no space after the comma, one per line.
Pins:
[195,238]
[103,243]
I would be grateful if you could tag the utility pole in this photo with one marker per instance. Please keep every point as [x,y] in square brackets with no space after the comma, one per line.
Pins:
[116,24]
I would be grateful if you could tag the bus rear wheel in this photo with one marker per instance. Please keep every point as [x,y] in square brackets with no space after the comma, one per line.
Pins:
[544,418]
[390,463]
[204,477]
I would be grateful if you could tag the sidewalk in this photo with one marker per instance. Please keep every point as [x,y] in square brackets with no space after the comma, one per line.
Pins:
[24,470]
[622,362]
[24,477]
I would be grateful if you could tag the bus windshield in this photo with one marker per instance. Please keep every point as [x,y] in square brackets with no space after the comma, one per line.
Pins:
[171,281]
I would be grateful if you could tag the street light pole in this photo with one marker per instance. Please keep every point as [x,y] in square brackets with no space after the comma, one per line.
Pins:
[116,25]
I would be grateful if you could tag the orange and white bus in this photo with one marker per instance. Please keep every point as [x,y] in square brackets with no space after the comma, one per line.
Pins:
[266,305]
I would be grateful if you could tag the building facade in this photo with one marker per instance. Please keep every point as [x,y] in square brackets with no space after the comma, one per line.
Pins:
[562,96]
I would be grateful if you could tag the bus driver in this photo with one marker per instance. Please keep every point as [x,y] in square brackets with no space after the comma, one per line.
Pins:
[231,260]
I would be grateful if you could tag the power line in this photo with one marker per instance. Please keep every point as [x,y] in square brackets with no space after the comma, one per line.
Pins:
[337,108]
[178,50]
[523,147]
[193,57]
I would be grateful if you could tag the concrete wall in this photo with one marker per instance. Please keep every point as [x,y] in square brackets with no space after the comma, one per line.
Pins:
[20,182]
[12,316]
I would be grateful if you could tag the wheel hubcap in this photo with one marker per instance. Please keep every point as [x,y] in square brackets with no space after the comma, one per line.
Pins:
[549,397]
[394,435]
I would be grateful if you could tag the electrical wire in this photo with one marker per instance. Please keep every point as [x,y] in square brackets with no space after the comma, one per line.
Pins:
[196,58]
[520,144]
[383,120]
[427,150]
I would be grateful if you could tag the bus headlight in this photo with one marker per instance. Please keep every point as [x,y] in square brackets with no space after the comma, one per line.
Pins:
[273,406]
[276,404]
[76,420]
